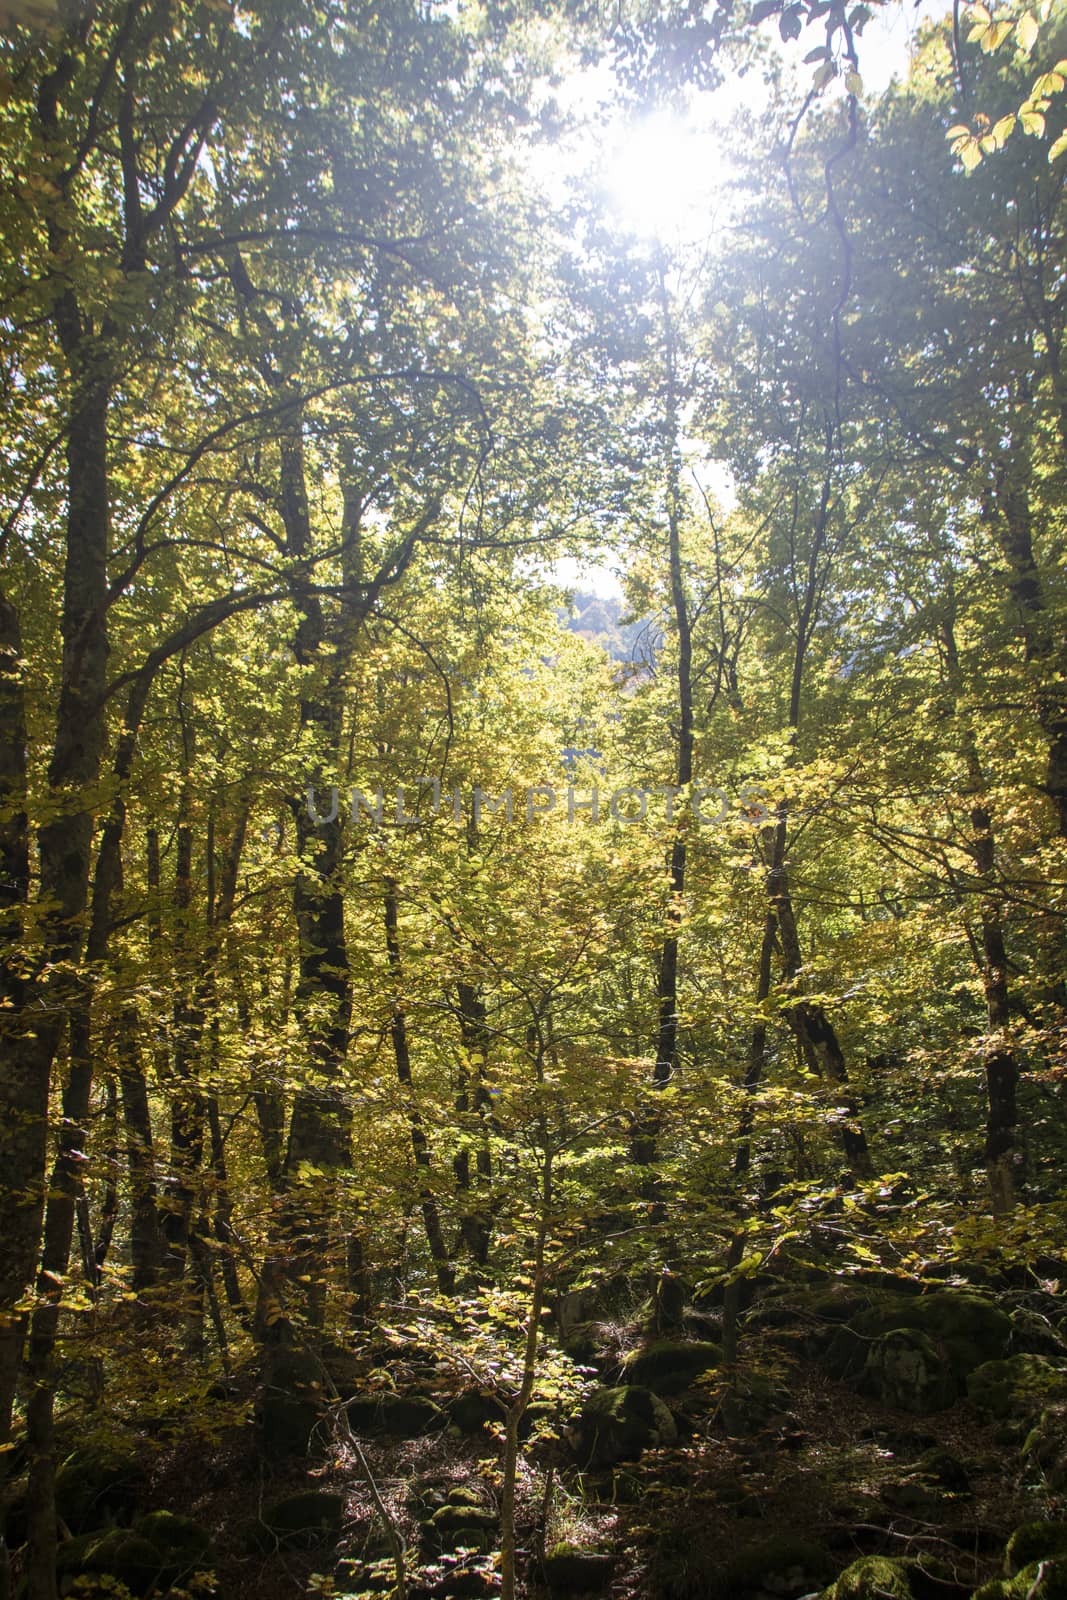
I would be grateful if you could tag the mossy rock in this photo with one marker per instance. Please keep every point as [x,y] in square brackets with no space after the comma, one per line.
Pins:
[1041,1580]
[97,1483]
[70,1559]
[937,1478]
[618,1424]
[667,1366]
[1046,1445]
[966,1328]
[298,1522]
[398,1416]
[751,1403]
[472,1410]
[463,1583]
[877,1578]
[969,1326]
[1035,1335]
[1035,1541]
[1017,1389]
[905,1369]
[460,1524]
[779,1565]
[568,1569]
[183,1544]
[121,1554]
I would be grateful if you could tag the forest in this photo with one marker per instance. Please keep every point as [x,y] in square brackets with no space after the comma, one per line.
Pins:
[533,800]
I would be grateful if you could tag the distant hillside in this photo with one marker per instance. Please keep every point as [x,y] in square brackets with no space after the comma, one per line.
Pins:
[599,618]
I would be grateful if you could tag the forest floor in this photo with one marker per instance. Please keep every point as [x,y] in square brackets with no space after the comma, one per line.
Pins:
[674,1521]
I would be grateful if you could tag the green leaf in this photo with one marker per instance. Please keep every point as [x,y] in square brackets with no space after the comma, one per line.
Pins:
[970,153]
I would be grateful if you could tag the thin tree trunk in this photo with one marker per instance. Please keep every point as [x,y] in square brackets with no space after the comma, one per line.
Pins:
[472,1101]
[1003,1152]
[431,1218]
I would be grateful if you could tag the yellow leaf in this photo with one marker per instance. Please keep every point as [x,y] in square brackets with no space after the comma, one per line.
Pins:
[969,152]
[1058,148]
[1033,122]
[1026,31]
[1003,129]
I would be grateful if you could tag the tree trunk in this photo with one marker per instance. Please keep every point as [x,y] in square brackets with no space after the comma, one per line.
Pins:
[446,1278]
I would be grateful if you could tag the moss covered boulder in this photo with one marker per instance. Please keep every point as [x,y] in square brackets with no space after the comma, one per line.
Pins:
[1017,1389]
[1035,1541]
[934,1481]
[888,1578]
[1045,1445]
[297,1522]
[570,1569]
[752,1402]
[464,1521]
[618,1424]
[1041,1580]
[117,1556]
[99,1482]
[906,1370]
[184,1545]
[398,1416]
[965,1329]
[667,1366]
[474,1409]
[780,1565]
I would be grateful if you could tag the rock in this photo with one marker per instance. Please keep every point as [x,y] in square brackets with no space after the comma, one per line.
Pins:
[575,1307]
[1036,1335]
[460,1524]
[99,1482]
[966,1328]
[1046,1445]
[906,1370]
[474,1408]
[1034,1541]
[881,1578]
[667,1366]
[464,1583]
[753,1402]
[399,1416]
[1017,1389]
[184,1546]
[568,1569]
[119,1555]
[298,1522]
[618,1424]
[780,1566]
[1042,1580]
[936,1479]
[971,1328]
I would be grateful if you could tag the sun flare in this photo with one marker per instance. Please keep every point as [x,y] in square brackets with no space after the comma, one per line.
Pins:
[663,175]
